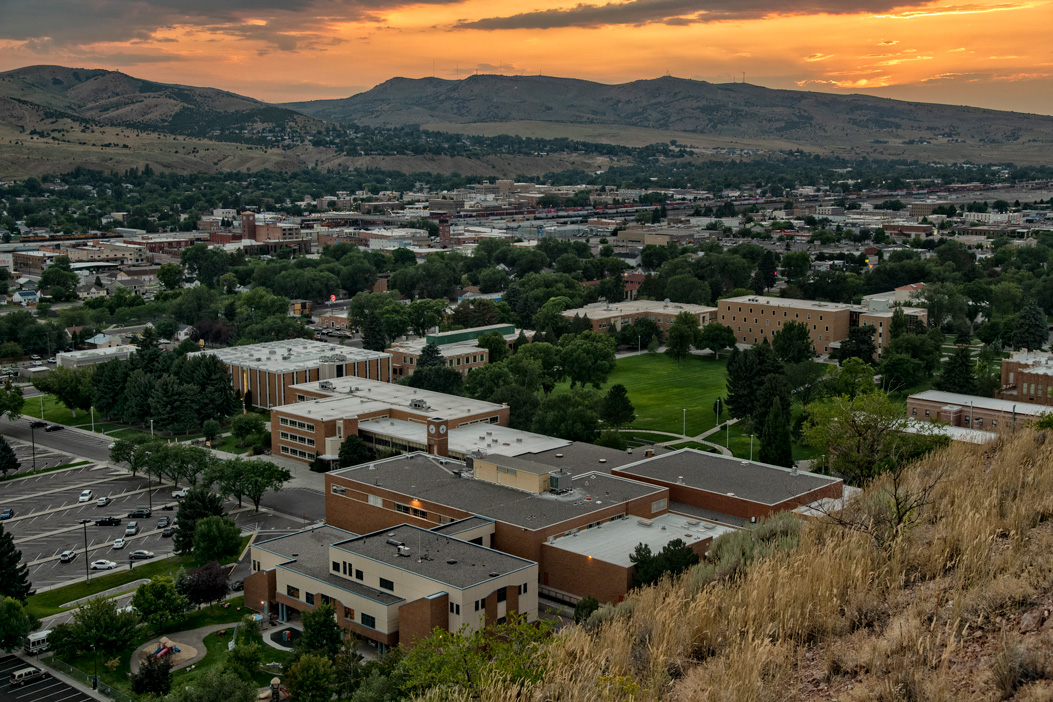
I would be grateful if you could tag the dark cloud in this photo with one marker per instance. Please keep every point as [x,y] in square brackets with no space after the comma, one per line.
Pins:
[56,24]
[670,12]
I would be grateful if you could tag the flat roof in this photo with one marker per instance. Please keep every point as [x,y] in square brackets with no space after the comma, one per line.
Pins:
[1029,409]
[291,354]
[791,303]
[614,541]
[433,479]
[350,397]
[459,564]
[97,353]
[726,475]
[477,439]
[596,310]
[462,525]
[580,456]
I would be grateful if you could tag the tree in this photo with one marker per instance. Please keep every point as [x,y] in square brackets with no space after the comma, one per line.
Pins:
[957,372]
[549,364]
[716,337]
[774,388]
[210,428]
[373,337]
[495,345]
[71,386]
[216,539]
[430,356]
[572,415]
[1030,331]
[243,426]
[59,280]
[11,401]
[209,583]
[311,679]
[214,685]
[584,609]
[859,344]
[354,451]
[617,410]
[861,437]
[261,476]
[108,384]
[173,405]
[158,601]
[683,334]
[900,371]
[321,633]
[898,325]
[170,275]
[97,624]
[244,659]
[766,269]
[796,266]
[674,558]
[775,437]
[588,358]
[15,624]
[422,315]
[8,459]
[14,575]
[154,676]
[792,343]
[198,504]
[436,379]
[853,378]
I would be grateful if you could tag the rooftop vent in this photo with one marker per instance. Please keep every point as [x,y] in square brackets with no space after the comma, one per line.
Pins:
[559,455]
[679,480]
[451,561]
[494,573]
[393,542]
[603,460]
[403,551]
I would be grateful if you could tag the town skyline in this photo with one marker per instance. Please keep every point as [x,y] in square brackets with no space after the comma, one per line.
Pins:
[942,52]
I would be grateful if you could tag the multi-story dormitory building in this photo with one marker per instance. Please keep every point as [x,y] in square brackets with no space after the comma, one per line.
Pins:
[755,318]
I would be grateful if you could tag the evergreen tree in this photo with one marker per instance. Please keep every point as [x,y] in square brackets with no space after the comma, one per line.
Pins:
[792,343]
[859,344]
[773,389]
[108,384]
[766,269]
[617,410]
[437,379]
[957,373]
[742,386]
[14,575]
[430,356]
[136,405]
[1030,331]
[775,445]
[173,404]
[373,333]
[354,451]
[899,325]
[8,459]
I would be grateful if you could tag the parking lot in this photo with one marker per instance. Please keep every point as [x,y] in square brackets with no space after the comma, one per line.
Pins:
[45,457]
[46,689]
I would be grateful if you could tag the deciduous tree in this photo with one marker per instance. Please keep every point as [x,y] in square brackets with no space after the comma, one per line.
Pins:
[216,539]
[792,343]
[158,601]
[15,624]
[588,358]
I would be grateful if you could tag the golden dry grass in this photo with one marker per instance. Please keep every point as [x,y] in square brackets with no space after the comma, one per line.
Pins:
[954,607]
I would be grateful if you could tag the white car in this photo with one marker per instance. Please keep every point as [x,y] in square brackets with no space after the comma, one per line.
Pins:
[86,496]
[68,556]
[103,565]
[119,543]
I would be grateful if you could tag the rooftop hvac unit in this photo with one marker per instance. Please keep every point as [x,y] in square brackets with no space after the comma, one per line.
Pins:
[403,551]
[393,542]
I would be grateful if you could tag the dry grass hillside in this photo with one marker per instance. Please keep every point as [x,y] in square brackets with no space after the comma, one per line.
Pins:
[955,606]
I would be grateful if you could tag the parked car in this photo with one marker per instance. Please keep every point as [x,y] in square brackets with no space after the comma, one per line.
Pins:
[52,360]
[140,555]
[7,513]
[180,493]
[119,543]
[168,532]
[108,521]
[85,496]
[38,424]
[67,556]
[140,513]
[131,529]
[103,565]
[103,501]
[54,427]
[237,585]
[35,357]
[26,675]
[163,522]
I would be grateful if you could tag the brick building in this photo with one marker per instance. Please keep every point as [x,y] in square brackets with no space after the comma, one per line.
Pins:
[266,371]
[755,318]
[460,349]
[972,411]
[605,315]
[392,586]
[1027,376]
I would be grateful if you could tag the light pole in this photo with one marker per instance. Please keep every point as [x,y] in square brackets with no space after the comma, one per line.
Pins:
[87,570]
[92,408]
[685,421]
[95,678]
[639,344]
[751,447]
[33,438]
[718,410]
[727,437]
[151,426]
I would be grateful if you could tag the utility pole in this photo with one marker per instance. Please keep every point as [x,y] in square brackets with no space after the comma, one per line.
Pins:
[87,570]
[751,447]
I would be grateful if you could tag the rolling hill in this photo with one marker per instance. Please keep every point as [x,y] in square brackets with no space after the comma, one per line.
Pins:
[736,114]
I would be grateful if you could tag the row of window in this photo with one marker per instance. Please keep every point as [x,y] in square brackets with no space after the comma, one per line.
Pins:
[406,509]
[296,424]
[978,421]
[286,436]
[796,315]
[297,453]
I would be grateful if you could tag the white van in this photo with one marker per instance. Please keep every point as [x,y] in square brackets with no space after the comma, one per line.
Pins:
[37,642]
[22,676]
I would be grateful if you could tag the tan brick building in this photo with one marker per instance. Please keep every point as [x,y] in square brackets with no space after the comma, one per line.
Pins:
[1027,376]
[972,411]
[755,318]
[605,316]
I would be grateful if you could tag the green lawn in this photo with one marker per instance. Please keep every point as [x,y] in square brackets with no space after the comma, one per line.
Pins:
[661,392]
[634,438]
[740,441]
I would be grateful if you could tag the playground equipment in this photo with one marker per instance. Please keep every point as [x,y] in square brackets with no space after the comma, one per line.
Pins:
[165,647]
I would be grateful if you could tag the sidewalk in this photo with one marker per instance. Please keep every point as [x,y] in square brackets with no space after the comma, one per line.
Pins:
[195,638]
[681,438]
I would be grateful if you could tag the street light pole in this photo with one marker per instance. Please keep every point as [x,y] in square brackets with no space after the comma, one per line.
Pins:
[95,678]
[751,447]
[685,421]
[87,570]
[33,438]
[92,408]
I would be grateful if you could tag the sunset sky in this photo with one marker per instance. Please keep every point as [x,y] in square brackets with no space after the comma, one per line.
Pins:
[988,53]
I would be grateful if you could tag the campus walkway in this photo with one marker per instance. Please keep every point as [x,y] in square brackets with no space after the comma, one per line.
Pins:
[681,438]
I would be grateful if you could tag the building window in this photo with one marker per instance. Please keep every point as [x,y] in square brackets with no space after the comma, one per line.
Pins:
[349,614]
[502,595]
[914,412]
[926,413]
[339,490]
[523,588]
[477,605]
[309,598]
[336,566]
[419,513]
[402,508]
[358,575]
[659,505]
[289,451]
[296,438]
[369,620]
[325,599]
[296,424]
[300,398]
[455,609]
[293,592]
[386,584]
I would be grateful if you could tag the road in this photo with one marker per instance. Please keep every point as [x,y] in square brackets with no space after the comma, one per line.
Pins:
[95,447]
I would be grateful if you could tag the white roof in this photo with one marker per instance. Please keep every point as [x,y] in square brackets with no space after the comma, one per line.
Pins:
[291,354]
[614,541]
[1027,409]
[473,439]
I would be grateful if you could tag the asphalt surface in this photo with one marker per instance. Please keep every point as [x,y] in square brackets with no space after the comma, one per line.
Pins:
[46,689]
[95,447]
